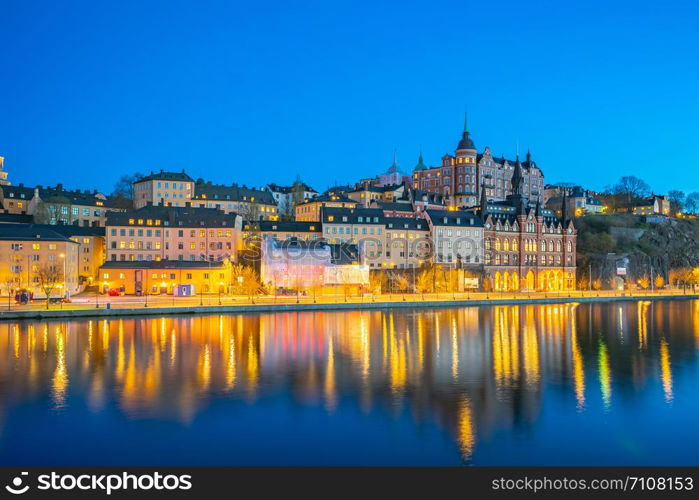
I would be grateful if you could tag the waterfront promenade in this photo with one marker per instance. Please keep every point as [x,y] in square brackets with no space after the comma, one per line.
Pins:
[103,306]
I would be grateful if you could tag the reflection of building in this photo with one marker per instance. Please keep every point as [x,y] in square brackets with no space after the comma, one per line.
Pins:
[172,233]
[472,372]
[302,264]
[164,276]
[462,177]
[31,255]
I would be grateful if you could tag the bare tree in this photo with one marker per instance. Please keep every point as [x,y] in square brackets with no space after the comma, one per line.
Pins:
[124,186]
[691,203]
[10,282]
[50,277]
[677,200]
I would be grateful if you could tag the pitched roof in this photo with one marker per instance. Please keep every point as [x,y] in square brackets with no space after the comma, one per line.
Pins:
[173,217]
[453,218]
[166,176]
[219,192]
[30,232]
[66,230]
[162,264]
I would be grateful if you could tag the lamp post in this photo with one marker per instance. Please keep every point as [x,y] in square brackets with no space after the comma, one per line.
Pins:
[65,279]
[220,287]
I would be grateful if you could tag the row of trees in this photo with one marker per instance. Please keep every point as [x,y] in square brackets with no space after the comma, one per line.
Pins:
[428,279]
[49,279]
[629,190]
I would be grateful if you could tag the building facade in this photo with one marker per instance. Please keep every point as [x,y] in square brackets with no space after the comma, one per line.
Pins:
[250,203]
[527,248]
[166,277]
[172,188]
[31,254]
[155,233]
[462,177]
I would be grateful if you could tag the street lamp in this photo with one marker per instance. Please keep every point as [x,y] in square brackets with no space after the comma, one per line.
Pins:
[220,287]
[65,279]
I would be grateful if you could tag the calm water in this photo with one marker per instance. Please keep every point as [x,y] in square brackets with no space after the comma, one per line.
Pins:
[557,384]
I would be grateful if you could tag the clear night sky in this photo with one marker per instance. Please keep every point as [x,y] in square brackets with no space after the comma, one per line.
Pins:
[259,91]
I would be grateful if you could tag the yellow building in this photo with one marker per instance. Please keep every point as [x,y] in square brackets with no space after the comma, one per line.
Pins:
[32,255]
[165,276]
[172,188]
[310,210]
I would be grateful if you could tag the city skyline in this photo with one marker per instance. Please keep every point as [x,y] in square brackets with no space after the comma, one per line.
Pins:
[200,90]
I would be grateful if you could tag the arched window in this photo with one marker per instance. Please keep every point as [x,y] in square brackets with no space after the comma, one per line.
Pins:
[506,245]
[497,244]
[514,246]
[558,246]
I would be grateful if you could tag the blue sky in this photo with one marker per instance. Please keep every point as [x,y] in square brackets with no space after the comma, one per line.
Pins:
[257,92]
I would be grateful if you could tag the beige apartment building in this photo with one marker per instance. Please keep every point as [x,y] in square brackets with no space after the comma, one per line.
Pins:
[171,188]
[457,238]
[250,203]
[28,252]
[310,210]
[154,233]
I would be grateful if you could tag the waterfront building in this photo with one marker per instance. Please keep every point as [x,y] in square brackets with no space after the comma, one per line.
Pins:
[91,241]
[167,277]
[462,177]
[526,246]
[310,210]
[172,188]
[32,255]
[457,238]
[653,205]
[312,265]
[250,203]
[407,244]
[159,232]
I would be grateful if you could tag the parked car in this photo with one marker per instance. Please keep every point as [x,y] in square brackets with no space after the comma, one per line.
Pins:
[114,292]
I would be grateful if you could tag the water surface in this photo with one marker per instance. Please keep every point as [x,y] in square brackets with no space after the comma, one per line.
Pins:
[535,385]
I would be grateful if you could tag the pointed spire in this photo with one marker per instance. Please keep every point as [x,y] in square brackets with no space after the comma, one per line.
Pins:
[517,178]
[564,208]
[394,166]
[537,210]
[484,203]
[420,162]
[466,142]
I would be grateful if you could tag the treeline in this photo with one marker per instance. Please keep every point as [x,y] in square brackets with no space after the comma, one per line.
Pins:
[630,190]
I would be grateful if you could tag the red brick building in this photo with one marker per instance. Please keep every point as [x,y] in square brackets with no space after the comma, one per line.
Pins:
[461,177]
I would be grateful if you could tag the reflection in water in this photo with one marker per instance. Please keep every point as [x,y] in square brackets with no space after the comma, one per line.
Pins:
[472,372]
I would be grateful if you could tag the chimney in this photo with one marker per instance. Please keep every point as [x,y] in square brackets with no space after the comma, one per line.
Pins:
[59,187]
